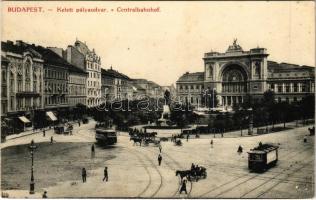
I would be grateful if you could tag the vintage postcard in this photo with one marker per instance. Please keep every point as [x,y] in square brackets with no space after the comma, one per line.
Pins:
[157,99]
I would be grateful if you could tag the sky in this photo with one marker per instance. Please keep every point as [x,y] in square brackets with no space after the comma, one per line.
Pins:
[162,46]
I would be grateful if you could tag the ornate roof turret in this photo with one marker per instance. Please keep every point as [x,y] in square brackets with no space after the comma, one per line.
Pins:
[234,48]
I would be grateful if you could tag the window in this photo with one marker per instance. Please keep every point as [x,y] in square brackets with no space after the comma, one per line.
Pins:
[287,87]
[4,78]
[20,83]
[295,88]
[303,87]
[280,88]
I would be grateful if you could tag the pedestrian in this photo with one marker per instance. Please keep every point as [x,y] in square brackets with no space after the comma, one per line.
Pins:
[211,143]
[192,167]
[239,149]
[51,140]
[222,134]
[44,196]
[160,147]
[184,186]
[106,177]
[188,137]
[84,175]
[159,159]
[305,139]
[44,133]
[92,148]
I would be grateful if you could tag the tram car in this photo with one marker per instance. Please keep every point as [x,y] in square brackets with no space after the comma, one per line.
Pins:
[262,157]
[105,136]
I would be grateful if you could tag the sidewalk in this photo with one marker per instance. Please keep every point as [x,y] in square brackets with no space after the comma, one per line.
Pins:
[30,132]
[236,133]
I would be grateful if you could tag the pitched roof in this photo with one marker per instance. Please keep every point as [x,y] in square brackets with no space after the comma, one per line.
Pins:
[19,48]
[191,77]
[113,73]
[74,68]
[279,67]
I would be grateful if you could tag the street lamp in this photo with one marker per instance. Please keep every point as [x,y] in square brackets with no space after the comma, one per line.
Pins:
[32,147]
[250,129]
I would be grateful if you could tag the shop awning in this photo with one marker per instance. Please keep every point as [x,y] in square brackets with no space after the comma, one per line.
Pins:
[24,119]
[51,116]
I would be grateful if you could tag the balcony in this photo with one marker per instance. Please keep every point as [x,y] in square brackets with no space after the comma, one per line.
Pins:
[28,94]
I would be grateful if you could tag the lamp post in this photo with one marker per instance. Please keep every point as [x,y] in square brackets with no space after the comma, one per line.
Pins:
[250,129]
[32,147]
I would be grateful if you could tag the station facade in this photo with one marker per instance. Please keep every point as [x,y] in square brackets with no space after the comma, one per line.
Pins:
[237,73]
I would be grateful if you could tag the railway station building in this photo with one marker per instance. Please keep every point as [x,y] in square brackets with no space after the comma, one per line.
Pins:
[237,73]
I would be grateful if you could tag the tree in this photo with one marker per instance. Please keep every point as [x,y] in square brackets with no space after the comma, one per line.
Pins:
[307,107]
[239,118]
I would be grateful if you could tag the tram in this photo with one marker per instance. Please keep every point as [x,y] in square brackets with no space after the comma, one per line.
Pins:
[105,134]
[262,157]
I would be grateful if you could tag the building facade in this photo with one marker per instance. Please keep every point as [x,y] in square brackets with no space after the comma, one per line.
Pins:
[22,81]
[115,85]
[77,86]
[237,73]
[92,64]
[152,89]
[55,79]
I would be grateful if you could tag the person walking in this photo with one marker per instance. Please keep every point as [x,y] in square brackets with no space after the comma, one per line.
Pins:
[106,177]
[44,196]
[92,148]
[305,139]
[211,143]
[188,137]
[159,159]
[44,133]
[84,175]
[160,148]
[79,123]
[51,140]
[184,186]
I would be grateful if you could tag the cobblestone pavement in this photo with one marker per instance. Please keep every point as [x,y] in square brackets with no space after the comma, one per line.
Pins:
[134,170]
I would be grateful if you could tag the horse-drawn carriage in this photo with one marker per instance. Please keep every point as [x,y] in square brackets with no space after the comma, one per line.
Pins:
[63,129]
[141,137]
[195,173]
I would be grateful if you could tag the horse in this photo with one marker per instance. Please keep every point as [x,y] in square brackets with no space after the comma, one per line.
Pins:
[139,140]
[184,173]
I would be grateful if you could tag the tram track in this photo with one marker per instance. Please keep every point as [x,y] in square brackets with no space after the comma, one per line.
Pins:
[244,176]
[176,166]
[269,180]
[158,172]
[297,153]
[148,173]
